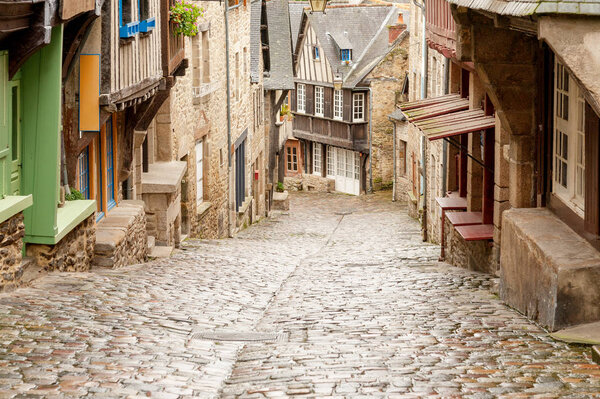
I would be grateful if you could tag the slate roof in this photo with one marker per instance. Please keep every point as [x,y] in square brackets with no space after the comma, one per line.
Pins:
[255,53]
[397,115]
[530,7]
[365,27]
[281,75]
[296,12]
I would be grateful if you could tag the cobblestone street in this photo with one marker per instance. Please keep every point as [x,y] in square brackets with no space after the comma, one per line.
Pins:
[362,306]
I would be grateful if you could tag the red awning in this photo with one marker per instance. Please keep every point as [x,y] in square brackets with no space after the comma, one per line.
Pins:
[446,116]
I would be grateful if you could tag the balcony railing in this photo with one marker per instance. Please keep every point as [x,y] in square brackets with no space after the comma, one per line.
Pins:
[173,45]
[440,27]
[330,131]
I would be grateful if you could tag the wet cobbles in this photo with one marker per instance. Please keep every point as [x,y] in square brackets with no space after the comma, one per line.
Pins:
[367,309]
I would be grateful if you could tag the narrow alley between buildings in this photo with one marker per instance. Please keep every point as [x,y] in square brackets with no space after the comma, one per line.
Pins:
[337,297]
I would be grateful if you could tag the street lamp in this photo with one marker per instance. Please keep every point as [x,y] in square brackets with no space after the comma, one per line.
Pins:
[317,5]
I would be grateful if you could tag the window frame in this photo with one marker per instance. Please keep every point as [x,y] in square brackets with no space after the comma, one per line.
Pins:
[568,140]
[316,55]
[199,176]
[331,162]
[345,55]
[338,105]
[137,23]
[358,110]
[319,101]
[317,159]
[301,98]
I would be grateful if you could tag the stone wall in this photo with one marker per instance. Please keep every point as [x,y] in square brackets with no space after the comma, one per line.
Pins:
[386,82]
[73,253]
[163,217]
[309,182]
[12,231]
[472,255]
[121,236]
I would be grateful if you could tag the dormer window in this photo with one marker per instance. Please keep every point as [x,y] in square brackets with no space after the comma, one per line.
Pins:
[316,55]
[346,54]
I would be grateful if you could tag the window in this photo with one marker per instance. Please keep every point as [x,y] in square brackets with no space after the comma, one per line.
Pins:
[199,172]
[205,58]
[83,173]
[402,158]
[301,98]
[316,56]
[236,93]
[317,159]
[569,140]
[330,161]
[110,167]
[359,107]
[240,175]
[319,101]
[131,21]
[357,165]
[245,61]
[292,159]
[338,104]
[346,55]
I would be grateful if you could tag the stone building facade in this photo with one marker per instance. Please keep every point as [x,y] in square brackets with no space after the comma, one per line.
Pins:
[505,148]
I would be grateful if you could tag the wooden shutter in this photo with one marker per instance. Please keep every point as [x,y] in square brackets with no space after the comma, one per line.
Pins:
[310,99]
[347,106]
[328,102]
[592,171]
[294,98]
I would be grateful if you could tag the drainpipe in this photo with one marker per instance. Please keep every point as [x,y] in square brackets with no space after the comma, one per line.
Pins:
[370,140]
[394,149]
[444,142]
[424,71]
[228,119]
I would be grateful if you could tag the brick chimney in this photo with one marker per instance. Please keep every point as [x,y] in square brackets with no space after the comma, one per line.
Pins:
[396,30]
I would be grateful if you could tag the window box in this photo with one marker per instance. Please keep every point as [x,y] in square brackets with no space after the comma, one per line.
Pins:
[148,25]
[129,30]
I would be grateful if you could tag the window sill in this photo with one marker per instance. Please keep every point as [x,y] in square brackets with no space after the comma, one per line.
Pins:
[202,208]
[480,232]
[68,217]
[13,204]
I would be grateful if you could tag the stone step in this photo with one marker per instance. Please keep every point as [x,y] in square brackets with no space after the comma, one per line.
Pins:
[160,251]
[31,270]
[151,243]
[582,334]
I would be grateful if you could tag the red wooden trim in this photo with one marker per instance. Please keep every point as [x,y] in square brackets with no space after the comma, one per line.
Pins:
[452,203]
[464,218]
[479,232]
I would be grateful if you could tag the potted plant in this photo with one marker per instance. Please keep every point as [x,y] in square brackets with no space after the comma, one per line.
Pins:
[285,112]
[185,18]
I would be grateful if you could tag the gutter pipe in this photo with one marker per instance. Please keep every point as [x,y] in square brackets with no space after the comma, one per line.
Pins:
[228,118]
[394,149]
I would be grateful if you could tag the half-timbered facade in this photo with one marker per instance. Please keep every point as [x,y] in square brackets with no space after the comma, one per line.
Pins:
[337,68]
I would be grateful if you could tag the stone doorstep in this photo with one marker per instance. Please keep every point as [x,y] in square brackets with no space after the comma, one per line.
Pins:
[588,334]
[108,239]
[160,251]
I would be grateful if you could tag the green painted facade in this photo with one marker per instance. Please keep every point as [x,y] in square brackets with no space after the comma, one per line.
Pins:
[30,129]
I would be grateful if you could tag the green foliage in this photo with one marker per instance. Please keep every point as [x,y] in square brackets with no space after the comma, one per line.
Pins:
[185,17]
[75,195]
[279,187]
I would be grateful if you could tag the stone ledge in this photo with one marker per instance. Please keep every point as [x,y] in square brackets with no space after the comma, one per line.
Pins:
[202,208]
[163,177]
[13,204]
[548,271]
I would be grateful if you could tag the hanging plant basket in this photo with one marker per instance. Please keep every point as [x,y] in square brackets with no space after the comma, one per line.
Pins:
[185,18]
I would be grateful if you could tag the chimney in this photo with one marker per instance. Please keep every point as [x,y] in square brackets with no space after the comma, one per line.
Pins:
[396,30]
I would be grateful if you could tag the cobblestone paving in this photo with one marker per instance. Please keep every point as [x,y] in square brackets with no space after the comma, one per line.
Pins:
[367,309]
